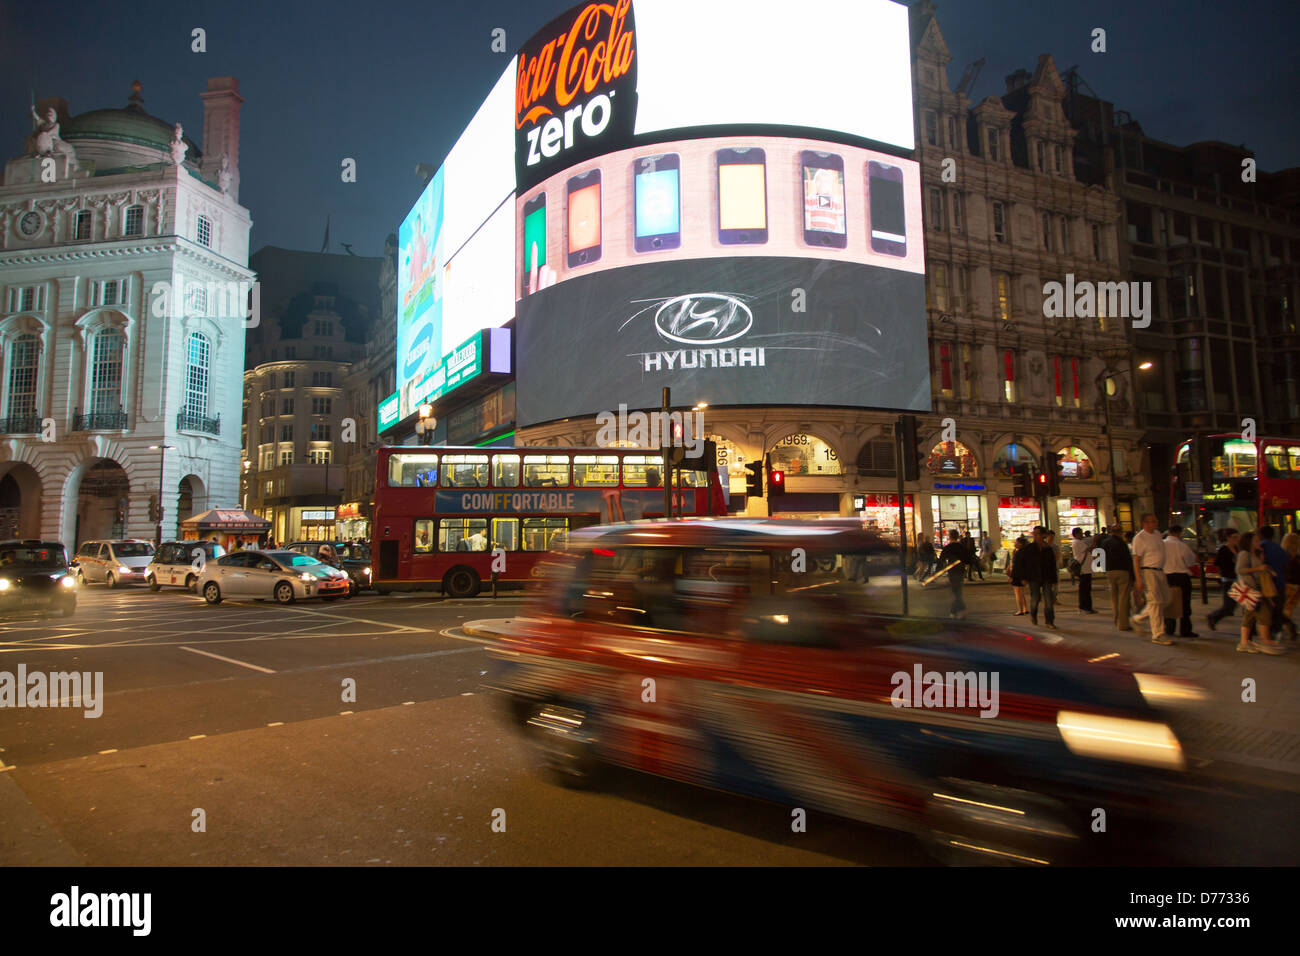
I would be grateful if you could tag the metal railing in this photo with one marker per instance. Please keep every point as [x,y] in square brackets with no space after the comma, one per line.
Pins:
[193,422]
[20,425]
[96,421]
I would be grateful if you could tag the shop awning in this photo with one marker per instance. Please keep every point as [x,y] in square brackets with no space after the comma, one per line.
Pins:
[226,519]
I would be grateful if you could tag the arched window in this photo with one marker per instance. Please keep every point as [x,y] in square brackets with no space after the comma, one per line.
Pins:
[1010,455]
[803,454]
[952,458]
[197,375]
[24,354]
[1075,463]
[106,372]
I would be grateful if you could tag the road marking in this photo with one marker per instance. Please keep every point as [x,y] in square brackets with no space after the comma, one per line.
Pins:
[278,723]
[229,660]
[113,751]
[408,703]
[447,632]
[198,736]
[344,713]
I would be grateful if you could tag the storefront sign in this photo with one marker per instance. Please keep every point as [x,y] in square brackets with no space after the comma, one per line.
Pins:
[327,515]
[390,411]
[350,510]
[956,486]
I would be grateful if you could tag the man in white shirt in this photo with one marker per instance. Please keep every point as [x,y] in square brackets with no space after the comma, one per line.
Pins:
[1179,559]
[1081,551]
[1149,574]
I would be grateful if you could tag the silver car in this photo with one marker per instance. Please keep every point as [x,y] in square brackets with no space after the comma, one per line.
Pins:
[113,562]
[280,576]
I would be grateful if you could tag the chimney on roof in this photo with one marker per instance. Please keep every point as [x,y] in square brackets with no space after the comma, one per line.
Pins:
[221,105]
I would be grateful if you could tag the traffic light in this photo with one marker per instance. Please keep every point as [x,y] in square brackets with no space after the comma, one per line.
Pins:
[1041,485]
[775,479]
[754,479]
[1052,472]
[911,463]
[1020,481]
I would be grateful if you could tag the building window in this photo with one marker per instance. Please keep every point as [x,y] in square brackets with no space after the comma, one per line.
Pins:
[288,380]
[1065,235]
[322,379]
[968,386]
[940,284]
[197,375]
[83,225]
[877,458]
[319,456]
[936,208]
[1041,152]
[286,433]
[931,128]
[134,221]
[1047,231]
[1009,375]
[1074,382]
[958,213]
[945,370]
[290,352]
[1096,243]
[952,133]
[108,293]
[1004,296]
[286,406]
[1059,154]
[1056,377]
[999,222]
[320,431]
[993,145]
[106,371]
[321,406]
[324,327]
[286,457]
[961,294]
[24,354]
[198,300]
[27,299]
[204,231]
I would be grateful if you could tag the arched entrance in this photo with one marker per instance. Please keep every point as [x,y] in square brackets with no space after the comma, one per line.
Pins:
[103,500]
[192,497]
[20,502]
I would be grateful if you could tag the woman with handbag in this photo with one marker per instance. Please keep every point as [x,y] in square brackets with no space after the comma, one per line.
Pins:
[1253,577]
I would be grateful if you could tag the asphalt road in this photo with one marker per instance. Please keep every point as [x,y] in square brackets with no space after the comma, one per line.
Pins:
[239,711]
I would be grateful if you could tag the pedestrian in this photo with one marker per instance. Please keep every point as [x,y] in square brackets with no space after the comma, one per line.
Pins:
[928,557]
[1291,596]
[1179,559]
[1276,559]
[986,553]
[1128,538]
[1119,575]
[1016,569]
[1251,571]
[1081,549]
[955,550]
[1149,572]
[1226,560]
[1041,572]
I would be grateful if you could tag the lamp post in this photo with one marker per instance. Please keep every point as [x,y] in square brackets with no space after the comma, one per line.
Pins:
[425,424]
[162,458]
[244,502]
[1107,373]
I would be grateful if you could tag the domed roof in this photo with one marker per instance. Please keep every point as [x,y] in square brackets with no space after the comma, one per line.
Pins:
[131,124]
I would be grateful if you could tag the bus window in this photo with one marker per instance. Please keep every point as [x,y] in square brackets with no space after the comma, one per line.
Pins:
[643,471]
[691,479]
[464,471]
[1293,451]
[591,471]
[454,534]
[1275,463]
[505,471]
[412,471]
[539,533]
[423,541]
[546,471]
[1238,460]
[505,534]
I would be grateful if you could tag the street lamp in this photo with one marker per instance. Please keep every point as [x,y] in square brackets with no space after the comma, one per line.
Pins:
[162,457]
[1106,373]
[426,423]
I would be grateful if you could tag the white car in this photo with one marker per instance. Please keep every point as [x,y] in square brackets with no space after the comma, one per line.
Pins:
[113,562]
[179,563]
[280,576]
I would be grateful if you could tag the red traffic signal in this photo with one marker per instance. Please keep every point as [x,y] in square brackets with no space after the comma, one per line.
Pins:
[778,478]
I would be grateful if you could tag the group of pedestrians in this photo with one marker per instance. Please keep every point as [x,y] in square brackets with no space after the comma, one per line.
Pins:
[1264,578]
[1034,569]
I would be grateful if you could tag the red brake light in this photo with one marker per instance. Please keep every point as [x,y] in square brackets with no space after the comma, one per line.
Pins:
[603,552]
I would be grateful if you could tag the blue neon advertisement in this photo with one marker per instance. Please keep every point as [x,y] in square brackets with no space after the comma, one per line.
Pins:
[419,292]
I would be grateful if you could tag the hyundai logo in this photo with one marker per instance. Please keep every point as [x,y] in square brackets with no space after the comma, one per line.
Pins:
[703,318]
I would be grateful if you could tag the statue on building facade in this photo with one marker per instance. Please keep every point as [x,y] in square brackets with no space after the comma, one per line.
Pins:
[45,139]
[178,147]
[224,175]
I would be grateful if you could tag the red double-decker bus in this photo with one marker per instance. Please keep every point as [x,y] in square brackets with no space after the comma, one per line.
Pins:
[1250,484]
[445,516]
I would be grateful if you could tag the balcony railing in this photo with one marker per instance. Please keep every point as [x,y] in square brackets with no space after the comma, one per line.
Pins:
[20,425]
[193,422]
[97,421]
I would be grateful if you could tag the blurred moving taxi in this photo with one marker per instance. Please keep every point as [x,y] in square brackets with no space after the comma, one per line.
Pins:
[755,656]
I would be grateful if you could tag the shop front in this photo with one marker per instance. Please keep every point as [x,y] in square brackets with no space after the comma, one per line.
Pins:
[1017,518]
[963,512]
[880,513]
[1074,513]
[352,522]
[229,527]
[314,524]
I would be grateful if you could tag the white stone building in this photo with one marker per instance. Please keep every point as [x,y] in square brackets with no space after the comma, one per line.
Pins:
[123,288]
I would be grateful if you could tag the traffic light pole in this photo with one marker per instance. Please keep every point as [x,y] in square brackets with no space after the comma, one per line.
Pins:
[667,453]
[902,514]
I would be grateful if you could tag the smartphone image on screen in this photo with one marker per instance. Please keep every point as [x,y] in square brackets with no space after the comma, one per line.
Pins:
[742,195]
[823,199]
[885,206]
[584,218]
[534,236]
[657,205]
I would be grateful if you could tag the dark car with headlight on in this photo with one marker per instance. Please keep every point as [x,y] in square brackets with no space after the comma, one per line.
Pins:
[764,657]
[34,577]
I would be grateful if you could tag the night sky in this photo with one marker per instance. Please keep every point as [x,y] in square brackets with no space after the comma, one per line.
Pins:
[392,83]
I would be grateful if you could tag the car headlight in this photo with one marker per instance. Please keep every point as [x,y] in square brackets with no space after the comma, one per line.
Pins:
[306,576]
[67,581]
[1121,738]
[5,584]
[123,569]
[1161,691]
